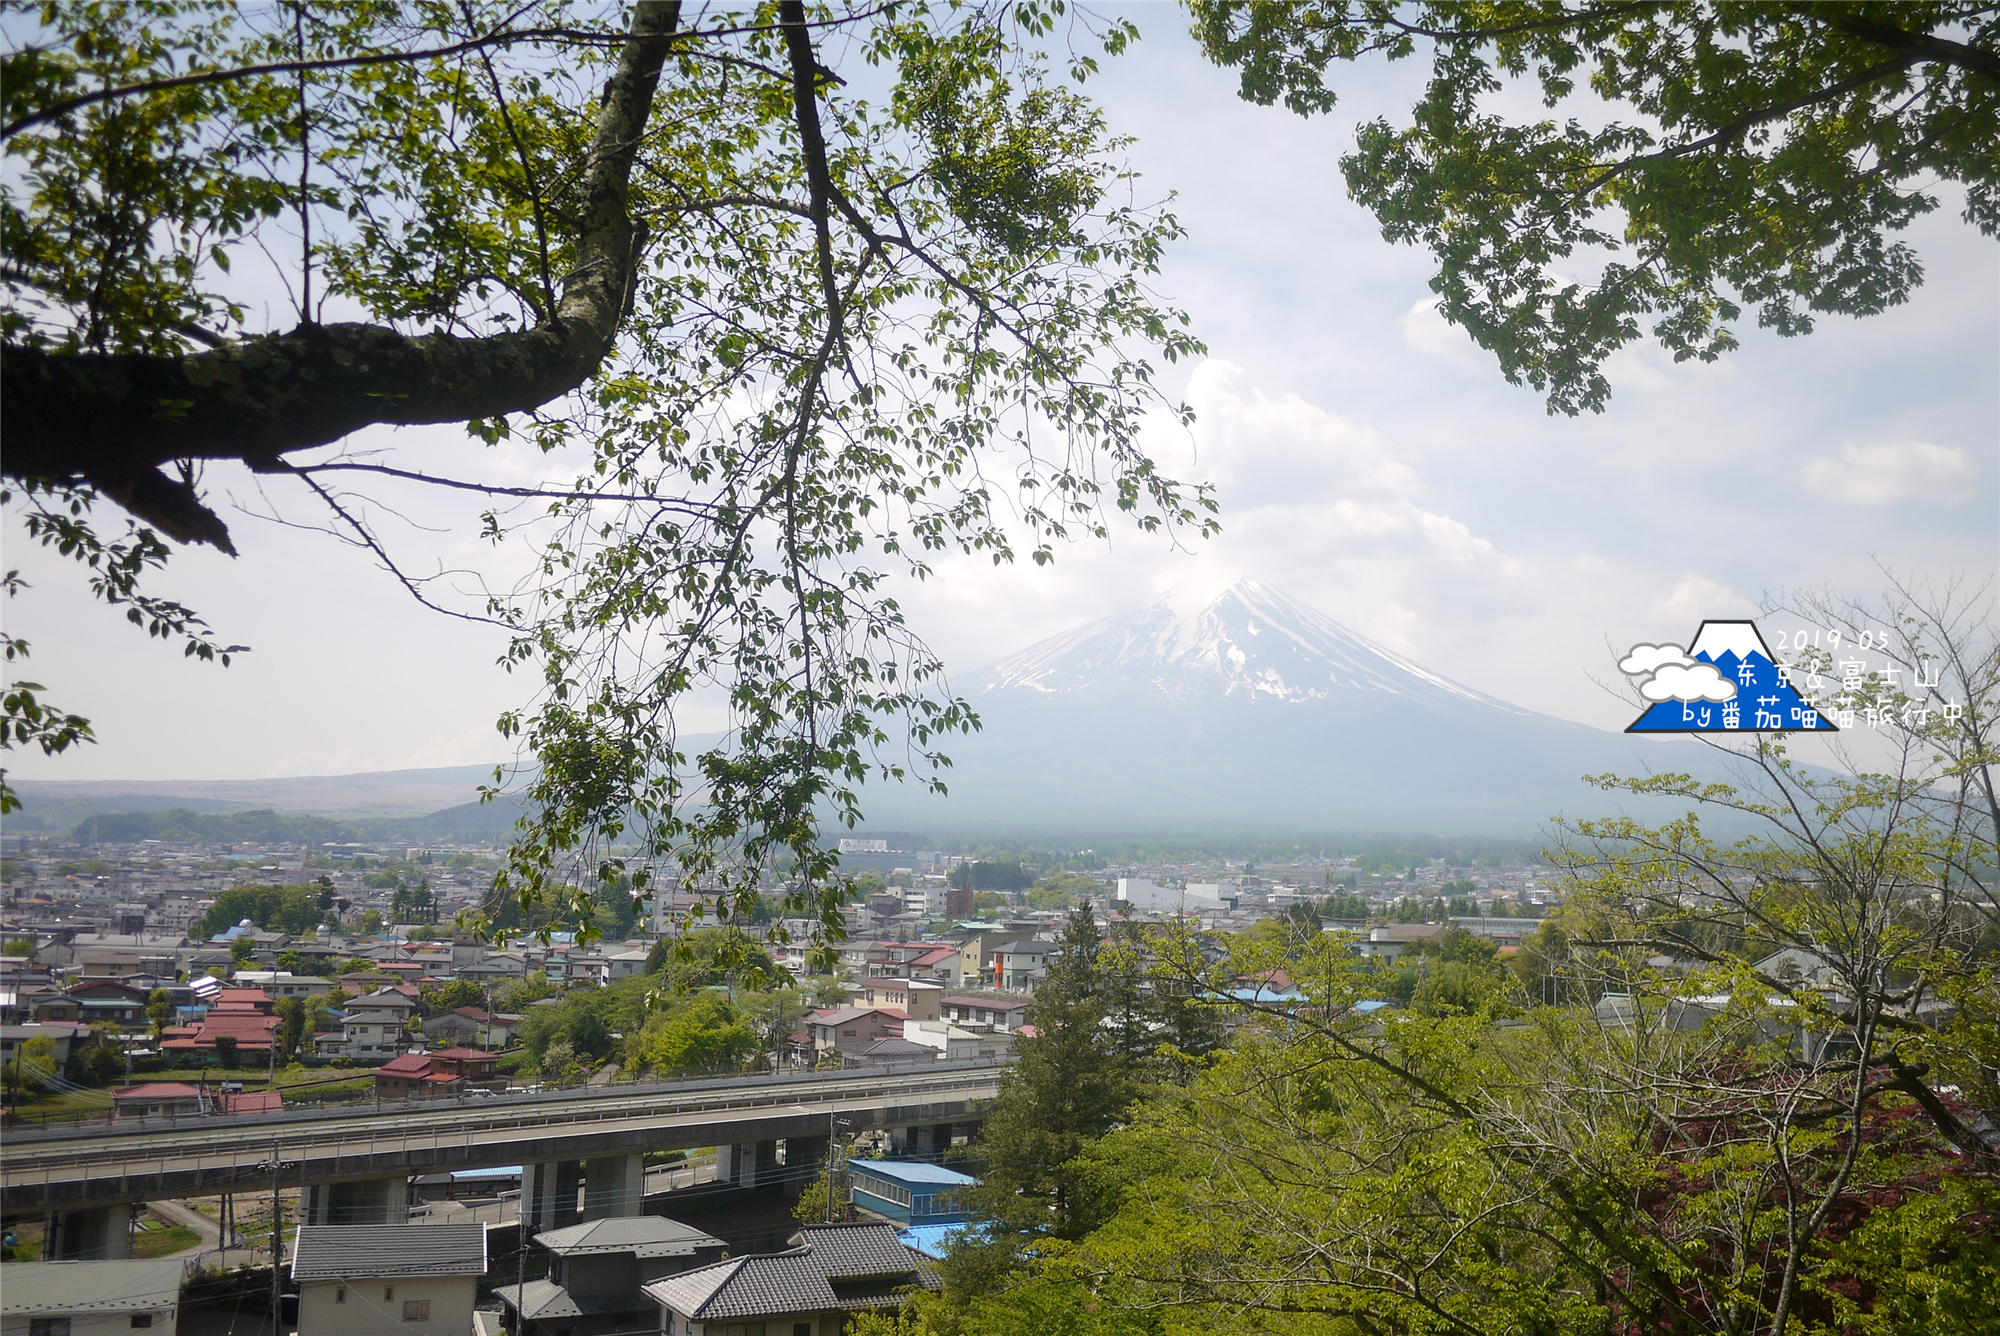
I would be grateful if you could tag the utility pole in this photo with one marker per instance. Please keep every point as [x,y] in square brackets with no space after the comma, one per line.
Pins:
[277,1242]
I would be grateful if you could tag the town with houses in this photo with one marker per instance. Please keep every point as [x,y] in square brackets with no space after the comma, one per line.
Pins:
[123,1002]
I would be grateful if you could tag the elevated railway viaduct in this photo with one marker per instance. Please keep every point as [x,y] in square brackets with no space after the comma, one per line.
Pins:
[353,1164]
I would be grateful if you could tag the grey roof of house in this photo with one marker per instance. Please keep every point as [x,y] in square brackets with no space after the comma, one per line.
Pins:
[544,1300]
[338,1252]
[835,1267]
[898,1048]
[640,1235]
[35,1288]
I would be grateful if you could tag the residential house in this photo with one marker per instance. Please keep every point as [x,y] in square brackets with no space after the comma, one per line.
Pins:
[889,1052]
[466,949]
[938,964]
[94,1298]
[243,1015]
[451,1071]
[851,1029]
[373,1028]
[953,1043]
[596,1273]
[360,1280]
[915,998]
[158,1099]
[590,967]
[66,1035]
[470,1025]
[626,964]
[495,969]
[1004,1014]
[1021,964]
[907,1191]
[179,1099]
[112,1003]
[58,1007]
[100,963]
[283,983]
[975,953]
[830,1273]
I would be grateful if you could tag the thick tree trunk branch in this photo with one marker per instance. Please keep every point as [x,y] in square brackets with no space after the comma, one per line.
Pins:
[99,417]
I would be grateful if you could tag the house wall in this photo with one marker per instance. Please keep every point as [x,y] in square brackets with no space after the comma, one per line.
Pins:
[98,1324]
[366,1313]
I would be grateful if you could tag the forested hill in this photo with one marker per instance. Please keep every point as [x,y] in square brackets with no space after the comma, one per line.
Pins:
[181,826]
[491,822]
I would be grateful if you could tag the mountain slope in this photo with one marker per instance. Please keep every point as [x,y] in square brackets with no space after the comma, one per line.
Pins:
[1257,713]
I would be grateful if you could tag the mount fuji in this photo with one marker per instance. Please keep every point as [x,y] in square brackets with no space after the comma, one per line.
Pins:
[1257,713]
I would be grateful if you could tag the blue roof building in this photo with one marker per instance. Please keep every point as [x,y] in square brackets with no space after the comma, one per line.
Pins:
[905,1191]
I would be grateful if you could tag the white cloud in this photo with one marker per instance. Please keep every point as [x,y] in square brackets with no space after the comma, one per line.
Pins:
[1646,658]
[1877,475]
[1697,598]
[1697,681]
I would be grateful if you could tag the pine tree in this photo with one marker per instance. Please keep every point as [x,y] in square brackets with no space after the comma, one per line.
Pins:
[1069,1087]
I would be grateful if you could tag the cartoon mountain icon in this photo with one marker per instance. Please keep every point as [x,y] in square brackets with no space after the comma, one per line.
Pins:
[1740,690]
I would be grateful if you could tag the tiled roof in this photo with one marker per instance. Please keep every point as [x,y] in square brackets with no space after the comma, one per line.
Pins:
[90,1287]
[340,1252]
[409,1064]
[835,1267]
[544,1300]
[847,1015]
[640,1235]
[158,1090]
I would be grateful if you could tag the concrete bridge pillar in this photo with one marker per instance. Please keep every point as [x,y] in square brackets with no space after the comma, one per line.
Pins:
[93,1234]
[614,1185]
[805,1161]
[924,1141]
[548,1195]
[747,1164]
[362,1201]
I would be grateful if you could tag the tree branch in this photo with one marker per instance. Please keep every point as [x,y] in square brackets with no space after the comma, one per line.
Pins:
[86,416]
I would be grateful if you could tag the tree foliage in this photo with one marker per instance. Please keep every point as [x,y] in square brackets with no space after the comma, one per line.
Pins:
[706,1035]
[1694,162]
[287,909]
[1736,1086]
[1066,1088]
[790,341]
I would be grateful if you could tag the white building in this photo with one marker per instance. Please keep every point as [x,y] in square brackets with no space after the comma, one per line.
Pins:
[954,1043]
[1201,897]
[357,1280]
[96,1297]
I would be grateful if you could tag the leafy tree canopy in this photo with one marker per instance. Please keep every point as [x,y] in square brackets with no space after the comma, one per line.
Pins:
[705,1035]
[1695,161]
[792,330]
[288,909]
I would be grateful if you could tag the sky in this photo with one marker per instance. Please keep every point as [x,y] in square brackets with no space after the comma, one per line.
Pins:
[1369,459]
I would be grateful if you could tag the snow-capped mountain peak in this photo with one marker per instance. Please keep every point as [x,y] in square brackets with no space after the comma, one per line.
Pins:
[1252,642]
[1717,638]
